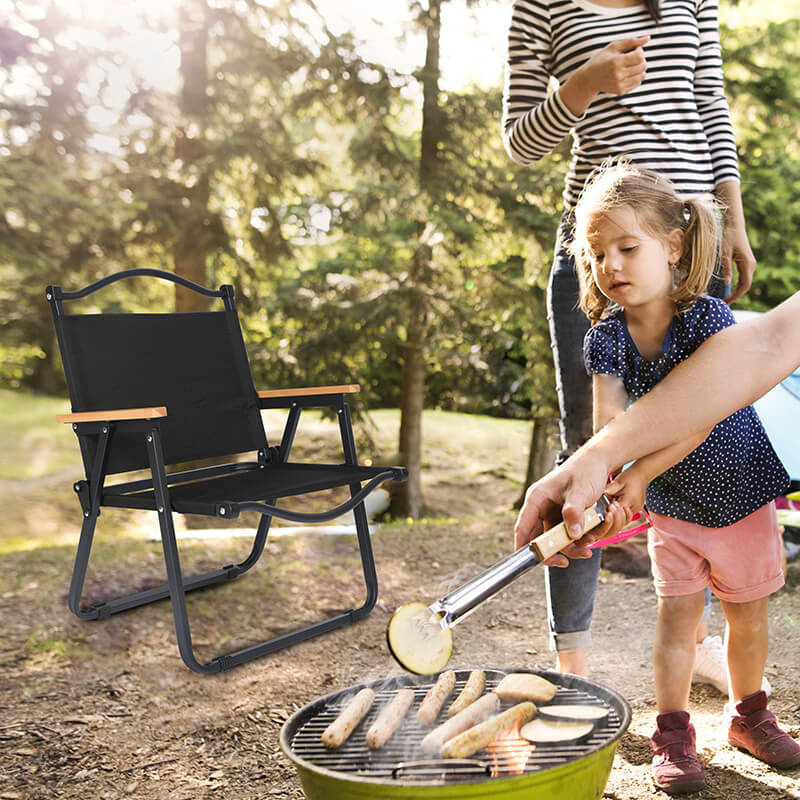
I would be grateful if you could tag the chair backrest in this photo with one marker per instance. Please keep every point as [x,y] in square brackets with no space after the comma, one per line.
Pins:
[195,364]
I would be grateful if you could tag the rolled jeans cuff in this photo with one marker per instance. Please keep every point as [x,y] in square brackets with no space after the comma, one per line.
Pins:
[569,642]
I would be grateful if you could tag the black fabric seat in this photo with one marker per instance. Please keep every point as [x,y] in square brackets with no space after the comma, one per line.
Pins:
[255,484]
[150,391]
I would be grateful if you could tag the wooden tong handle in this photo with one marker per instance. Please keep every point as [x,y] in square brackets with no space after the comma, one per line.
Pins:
[557,538]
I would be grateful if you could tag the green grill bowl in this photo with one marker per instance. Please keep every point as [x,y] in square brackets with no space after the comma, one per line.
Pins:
[582,778]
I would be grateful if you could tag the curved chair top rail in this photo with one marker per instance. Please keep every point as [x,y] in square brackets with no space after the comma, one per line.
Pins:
[135,273]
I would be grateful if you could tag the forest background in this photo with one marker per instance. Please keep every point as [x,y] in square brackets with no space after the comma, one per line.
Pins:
[361,203]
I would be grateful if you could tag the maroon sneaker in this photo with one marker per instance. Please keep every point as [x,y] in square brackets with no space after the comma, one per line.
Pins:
[676,768]
[753,728]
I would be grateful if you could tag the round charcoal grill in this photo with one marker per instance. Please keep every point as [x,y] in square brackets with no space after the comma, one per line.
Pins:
[570,771]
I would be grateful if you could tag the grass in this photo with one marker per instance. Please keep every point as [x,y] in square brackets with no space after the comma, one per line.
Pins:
[474,466]
[472,463]
[32,443]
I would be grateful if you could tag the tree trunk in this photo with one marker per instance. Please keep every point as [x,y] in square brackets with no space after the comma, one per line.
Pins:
[190,250]
[407,499]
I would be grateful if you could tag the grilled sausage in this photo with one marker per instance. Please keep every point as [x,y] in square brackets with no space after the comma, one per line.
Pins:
[335,734]
[472,740]
[432,703]
[389,719]
[473,714]
[472,690]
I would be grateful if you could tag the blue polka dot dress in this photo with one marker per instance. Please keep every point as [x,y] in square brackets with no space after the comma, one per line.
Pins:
[735,470]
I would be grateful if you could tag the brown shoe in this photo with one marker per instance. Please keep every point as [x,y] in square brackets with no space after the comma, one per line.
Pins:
[754,729]
[676,768]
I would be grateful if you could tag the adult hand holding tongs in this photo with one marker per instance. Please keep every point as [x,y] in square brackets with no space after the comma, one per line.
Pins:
[420,636]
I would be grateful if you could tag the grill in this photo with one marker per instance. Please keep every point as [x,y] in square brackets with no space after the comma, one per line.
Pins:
[400,768]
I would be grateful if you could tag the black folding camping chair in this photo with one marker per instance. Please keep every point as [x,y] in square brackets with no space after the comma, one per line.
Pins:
[154,390]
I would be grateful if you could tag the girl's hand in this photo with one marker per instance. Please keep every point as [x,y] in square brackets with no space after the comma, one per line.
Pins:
[617,517]
[629,489]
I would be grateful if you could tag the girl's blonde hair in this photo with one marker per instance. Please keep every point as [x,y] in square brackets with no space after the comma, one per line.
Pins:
[660,210]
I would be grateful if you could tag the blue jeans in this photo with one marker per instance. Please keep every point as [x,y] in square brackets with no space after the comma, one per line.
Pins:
[571,590]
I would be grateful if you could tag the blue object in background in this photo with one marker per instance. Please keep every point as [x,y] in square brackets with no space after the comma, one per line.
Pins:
[779,410]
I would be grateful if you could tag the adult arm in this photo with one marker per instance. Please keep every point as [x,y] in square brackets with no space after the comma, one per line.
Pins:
[735,244]
[730,370]
[712,106]
[536,119]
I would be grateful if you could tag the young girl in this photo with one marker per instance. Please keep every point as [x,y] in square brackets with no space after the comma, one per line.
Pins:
[644,258]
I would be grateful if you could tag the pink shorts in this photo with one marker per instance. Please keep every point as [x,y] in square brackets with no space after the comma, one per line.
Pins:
[741,562]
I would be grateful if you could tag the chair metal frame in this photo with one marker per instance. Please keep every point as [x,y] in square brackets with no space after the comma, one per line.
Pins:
[92,494]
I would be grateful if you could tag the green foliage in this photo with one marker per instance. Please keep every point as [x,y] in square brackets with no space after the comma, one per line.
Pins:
[308,157]
[61,213]
[763,84]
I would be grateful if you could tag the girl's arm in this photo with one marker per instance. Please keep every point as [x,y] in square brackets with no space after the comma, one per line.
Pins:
[609,398]
[727,372]
[630,485]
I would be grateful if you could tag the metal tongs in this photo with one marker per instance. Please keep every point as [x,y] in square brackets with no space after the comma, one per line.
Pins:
[461,602]
[406,642]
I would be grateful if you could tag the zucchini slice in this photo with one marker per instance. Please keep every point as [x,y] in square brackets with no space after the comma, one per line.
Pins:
[417,641]
[574,712]
[551,731]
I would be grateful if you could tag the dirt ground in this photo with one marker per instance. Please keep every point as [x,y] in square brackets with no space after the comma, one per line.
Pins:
[108,710]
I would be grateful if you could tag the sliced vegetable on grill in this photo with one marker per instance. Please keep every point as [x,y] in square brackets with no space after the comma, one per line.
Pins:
[552,731]
[473,714]
[476,738]
[388,721]
[337,732]
[433,701]
[519,686]
[472,690]
[417,641]
[574,712]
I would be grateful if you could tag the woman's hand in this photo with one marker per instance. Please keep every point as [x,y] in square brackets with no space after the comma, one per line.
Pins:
[616,69]
[616,518]
[736,250]
[564,494]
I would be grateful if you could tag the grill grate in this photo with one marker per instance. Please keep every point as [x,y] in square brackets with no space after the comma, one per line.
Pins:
[402,759]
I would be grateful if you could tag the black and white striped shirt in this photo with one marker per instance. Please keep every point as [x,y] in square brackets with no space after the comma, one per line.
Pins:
[676,122]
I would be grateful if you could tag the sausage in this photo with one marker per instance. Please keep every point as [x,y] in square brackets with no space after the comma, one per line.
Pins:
[472,740]
[473,714]
[335,734]
[472,690]
[389,719]
[432,703]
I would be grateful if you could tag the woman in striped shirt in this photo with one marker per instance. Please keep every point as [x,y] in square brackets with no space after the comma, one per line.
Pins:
[623,77]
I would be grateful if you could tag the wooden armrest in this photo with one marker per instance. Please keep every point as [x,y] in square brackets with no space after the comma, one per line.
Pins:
[113,414]
[312,391]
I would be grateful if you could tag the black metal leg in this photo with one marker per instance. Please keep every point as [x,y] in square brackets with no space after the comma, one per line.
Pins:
[360,515]
[91,511]
[79,569]
[177,587]
[171,558]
